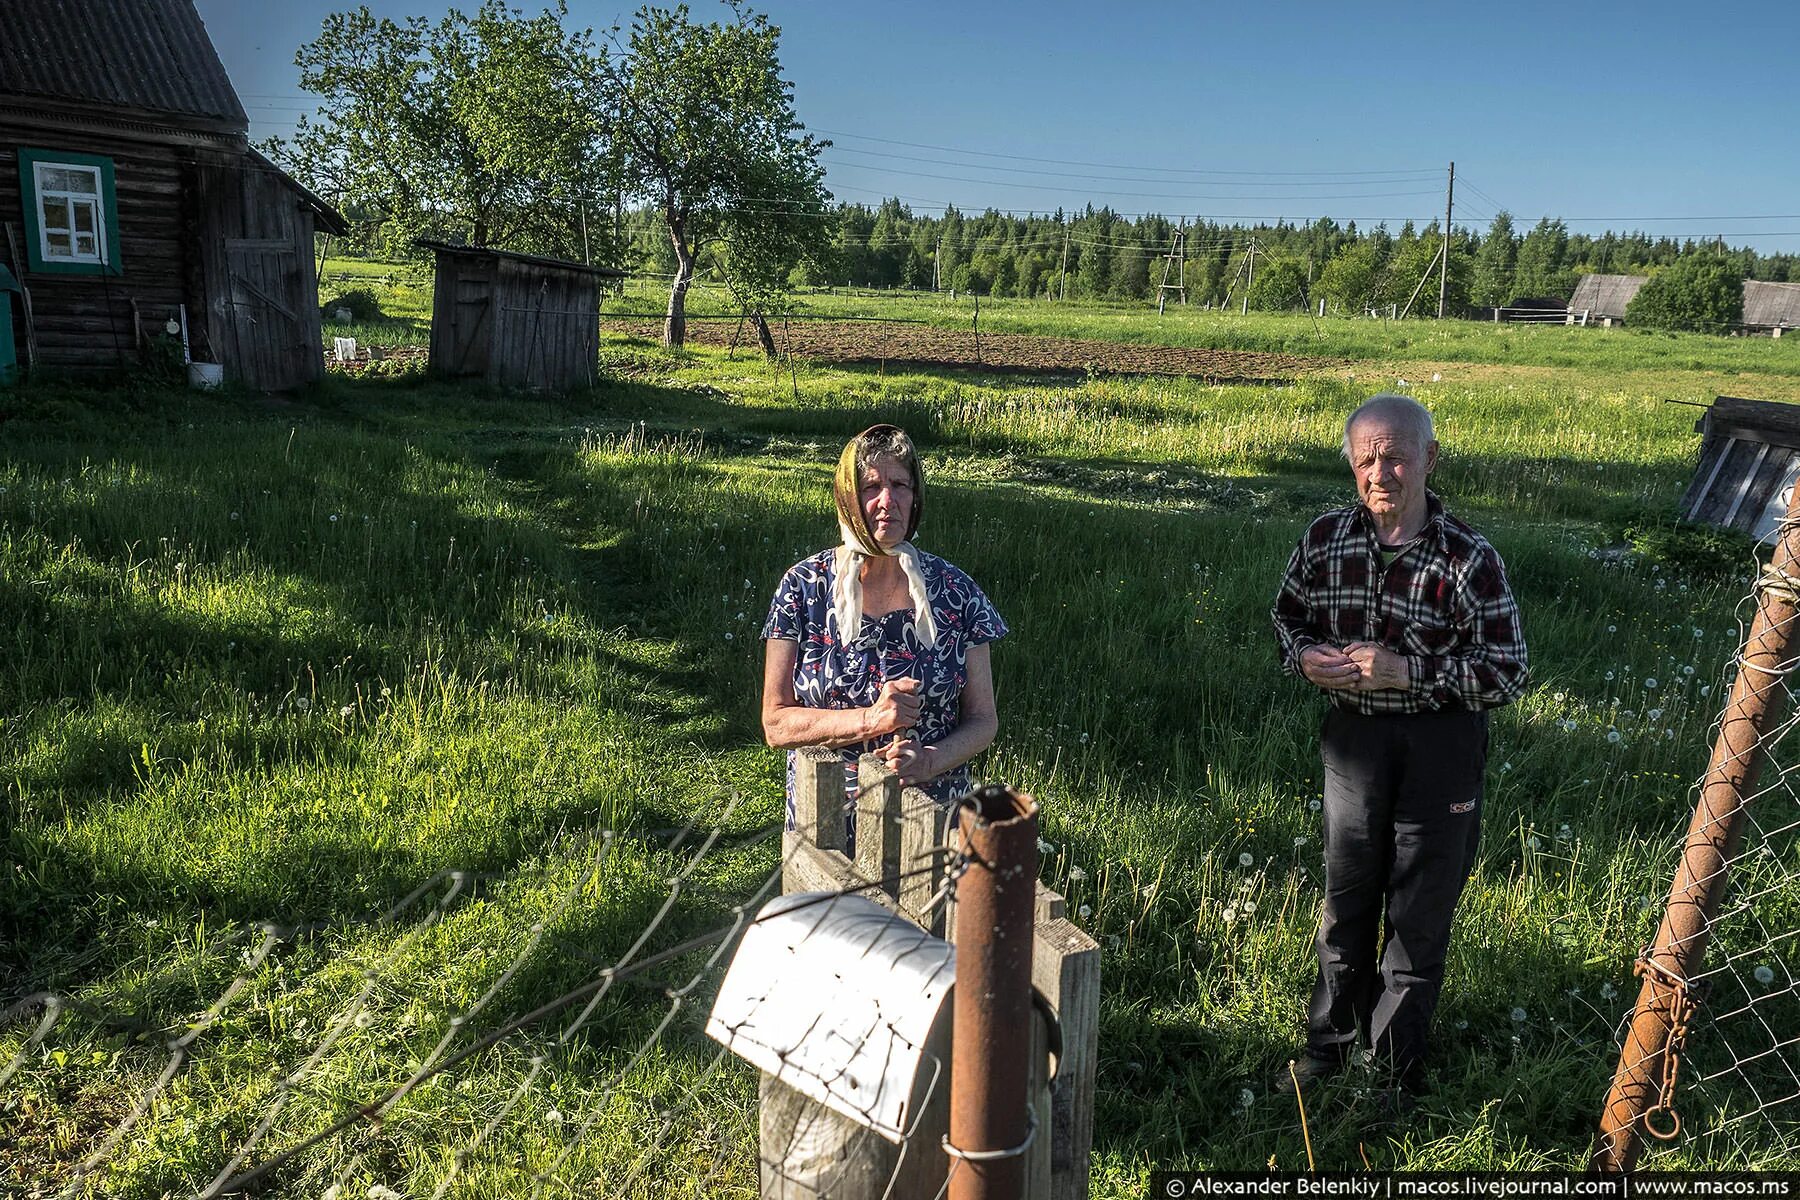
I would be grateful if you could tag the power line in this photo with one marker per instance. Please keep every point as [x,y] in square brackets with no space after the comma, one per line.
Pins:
[1065,162]
[1117,178]
[1046,187]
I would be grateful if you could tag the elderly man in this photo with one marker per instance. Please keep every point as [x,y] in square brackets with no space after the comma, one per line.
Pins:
[1402,616]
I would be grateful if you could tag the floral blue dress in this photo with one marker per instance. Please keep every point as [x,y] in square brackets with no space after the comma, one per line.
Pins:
[833,672]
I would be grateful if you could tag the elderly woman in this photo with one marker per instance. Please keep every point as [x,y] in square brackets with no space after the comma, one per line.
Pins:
[875,646]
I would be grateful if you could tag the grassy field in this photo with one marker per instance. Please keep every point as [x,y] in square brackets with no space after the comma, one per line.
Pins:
[290,661]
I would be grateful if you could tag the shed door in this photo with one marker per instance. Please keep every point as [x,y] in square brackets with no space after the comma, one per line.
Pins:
[267,327]
[473,323]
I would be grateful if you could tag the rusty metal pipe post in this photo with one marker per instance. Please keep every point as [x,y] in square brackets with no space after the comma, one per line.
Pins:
[990,1058]
[1675,957]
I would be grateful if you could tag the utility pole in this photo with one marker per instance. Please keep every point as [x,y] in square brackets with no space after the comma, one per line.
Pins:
[1177,258]
[1444,276]
[936,258]
[1249,278]
[1065,265]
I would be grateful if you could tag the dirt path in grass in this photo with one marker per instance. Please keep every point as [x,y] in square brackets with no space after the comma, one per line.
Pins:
[906,345]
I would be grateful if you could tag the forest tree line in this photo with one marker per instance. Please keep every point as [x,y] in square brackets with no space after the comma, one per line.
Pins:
[1098,254]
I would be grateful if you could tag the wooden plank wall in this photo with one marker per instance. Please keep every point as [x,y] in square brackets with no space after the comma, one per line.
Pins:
[264,326]
[546,327]
[85,321]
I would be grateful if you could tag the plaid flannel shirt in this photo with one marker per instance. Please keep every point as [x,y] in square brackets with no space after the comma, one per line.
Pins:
[1443,603]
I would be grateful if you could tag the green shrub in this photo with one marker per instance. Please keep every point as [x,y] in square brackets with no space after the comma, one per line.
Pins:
[1700,292]
[361,302]
[1701,551]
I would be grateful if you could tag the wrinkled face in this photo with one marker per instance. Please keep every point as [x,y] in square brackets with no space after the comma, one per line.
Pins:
[886,491]
[1391,466]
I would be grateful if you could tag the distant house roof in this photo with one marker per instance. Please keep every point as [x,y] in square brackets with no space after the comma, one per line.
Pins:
[1768,305]
[561,264]
[1605,295]
[150,56]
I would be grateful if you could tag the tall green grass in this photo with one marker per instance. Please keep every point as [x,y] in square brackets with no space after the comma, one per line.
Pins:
[290,665]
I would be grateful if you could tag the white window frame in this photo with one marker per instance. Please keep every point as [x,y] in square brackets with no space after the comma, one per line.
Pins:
[94,199]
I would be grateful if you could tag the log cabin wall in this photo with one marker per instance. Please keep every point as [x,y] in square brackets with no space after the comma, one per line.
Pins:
[96,321]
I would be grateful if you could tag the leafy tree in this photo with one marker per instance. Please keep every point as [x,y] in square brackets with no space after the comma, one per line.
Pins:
[1702,292]
[476,129]
[1494,264]
[709,138]
[1351,281]
[1280,285]
[1541,268]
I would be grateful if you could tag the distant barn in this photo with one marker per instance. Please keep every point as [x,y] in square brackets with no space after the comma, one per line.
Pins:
[130,200]
[1771,307]
[1602,299]
[517,320]
[1749,458]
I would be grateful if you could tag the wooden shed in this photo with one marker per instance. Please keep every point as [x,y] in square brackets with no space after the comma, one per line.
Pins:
[1749,459]
[1603,298]
[515,319]
[1772,308]
[130,199]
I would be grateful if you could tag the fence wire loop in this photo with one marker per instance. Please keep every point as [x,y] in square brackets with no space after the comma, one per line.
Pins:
[1031,1130]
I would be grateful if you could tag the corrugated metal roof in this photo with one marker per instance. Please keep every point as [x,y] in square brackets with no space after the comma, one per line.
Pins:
[146,55]
[1771,304]
[1606,295]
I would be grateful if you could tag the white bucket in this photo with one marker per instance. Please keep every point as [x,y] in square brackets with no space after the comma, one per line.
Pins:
[205,375]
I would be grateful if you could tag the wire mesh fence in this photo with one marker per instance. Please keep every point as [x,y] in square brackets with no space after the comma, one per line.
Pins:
[1710,1053]
[610,1084]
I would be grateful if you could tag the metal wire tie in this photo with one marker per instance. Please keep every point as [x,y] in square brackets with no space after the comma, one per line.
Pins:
[996,1155]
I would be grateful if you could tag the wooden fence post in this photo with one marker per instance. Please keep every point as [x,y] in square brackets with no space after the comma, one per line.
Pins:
[810,1152]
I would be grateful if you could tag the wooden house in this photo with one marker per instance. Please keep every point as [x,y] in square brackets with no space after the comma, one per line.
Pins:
[517,320]
[131,202]
[1602,299]
[1772,308]
[1749,461]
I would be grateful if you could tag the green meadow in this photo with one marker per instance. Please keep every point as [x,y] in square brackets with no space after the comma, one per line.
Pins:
[336,732]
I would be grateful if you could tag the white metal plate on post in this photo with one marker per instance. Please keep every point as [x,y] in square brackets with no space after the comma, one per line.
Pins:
[834,996]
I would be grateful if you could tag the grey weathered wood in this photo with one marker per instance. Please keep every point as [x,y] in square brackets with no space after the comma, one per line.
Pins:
[809,1152]
[1050,905]
[878,821]
[806,868]
[1065,969]
[1039,1180]
[819,797]
[922,825]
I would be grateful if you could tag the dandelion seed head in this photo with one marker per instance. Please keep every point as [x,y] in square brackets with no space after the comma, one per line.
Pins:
[1246,859]
[1764,975]
[1518,1016]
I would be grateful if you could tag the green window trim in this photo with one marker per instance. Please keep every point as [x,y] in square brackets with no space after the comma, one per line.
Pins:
[110,262]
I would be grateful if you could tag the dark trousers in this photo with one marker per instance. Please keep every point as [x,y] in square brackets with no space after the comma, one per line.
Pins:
[1402,816]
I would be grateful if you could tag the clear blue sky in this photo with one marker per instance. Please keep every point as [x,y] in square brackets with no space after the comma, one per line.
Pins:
[1671,118]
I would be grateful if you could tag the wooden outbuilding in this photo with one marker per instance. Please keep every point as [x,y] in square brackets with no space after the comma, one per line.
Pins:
[1749,460]
[517,320]
[1602,299]
[1772,308]
[131,202]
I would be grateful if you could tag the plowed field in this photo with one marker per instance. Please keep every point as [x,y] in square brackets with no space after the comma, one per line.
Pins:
[908,345]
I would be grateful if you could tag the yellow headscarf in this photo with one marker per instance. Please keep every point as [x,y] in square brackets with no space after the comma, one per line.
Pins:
[858,542]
